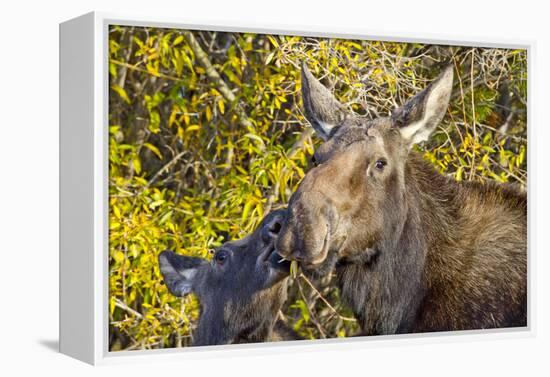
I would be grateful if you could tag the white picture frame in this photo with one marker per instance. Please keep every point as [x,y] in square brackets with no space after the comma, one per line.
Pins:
[84,192]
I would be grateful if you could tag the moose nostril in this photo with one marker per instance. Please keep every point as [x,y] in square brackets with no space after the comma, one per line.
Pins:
[275,227]
[272,226]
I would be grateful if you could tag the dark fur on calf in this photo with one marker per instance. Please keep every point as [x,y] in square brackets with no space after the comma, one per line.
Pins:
[240,291]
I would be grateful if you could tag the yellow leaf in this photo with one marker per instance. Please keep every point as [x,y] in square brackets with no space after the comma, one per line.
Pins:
[246,210]
[112,305]
[153,149]
[136,162]
[273,41]
[172,117]
[116,211]
[269,58]
[459,172]
[152,69]
[118,256]
[156,203]
[122,93]
[256,138]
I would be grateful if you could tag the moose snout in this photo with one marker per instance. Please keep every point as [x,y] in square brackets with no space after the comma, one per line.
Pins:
[303,247]
[285,249]
[306,233]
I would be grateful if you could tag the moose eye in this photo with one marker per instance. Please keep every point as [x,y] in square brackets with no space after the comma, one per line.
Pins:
[314,160]
[380,164]
[220,257]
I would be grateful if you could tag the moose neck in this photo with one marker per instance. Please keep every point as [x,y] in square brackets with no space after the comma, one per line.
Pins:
[436,229]
[210,329]
[432,201]
[394,281]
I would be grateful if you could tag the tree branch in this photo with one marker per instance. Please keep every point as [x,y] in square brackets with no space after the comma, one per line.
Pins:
[216,79]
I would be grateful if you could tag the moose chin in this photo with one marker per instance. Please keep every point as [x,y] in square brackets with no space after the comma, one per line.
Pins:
[413,251]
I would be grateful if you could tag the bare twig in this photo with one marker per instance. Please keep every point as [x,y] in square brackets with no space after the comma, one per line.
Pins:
[123,306]
[474,141]
[343,318]
[124,69]
[164,169]
[312,315]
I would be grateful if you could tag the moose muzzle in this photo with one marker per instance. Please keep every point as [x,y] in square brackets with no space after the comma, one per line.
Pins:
[306,234]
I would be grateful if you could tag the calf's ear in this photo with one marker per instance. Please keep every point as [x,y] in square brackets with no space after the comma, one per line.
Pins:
[179,271]
[322,109]
[419,117]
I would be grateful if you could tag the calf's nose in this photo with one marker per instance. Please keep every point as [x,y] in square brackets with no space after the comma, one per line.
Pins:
[272,225]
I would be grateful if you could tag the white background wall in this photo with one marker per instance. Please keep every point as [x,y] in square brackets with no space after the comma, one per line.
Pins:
[29,183]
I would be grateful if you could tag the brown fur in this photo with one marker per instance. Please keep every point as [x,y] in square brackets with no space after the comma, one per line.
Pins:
[474,269]
[413,251]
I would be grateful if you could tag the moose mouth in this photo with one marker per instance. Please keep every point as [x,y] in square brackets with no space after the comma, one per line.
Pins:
[324,265]
[274,261]
[319,257]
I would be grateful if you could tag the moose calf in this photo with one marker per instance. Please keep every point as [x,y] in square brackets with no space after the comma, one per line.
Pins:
[240,291]
[413,250]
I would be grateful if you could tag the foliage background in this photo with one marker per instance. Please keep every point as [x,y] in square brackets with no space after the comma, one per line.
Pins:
[207,135]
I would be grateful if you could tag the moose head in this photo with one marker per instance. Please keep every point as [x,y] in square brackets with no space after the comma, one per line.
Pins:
[355,195]
[240,290]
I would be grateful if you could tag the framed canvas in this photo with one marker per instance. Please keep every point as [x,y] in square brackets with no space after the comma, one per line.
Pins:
[237,189]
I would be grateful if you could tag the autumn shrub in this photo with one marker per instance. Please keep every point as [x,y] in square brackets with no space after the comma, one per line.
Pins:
[206,135]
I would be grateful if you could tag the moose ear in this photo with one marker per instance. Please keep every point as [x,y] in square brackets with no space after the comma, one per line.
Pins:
[322,110]
[419,117]
[179,271]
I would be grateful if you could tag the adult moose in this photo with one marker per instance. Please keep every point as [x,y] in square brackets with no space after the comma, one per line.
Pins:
[413,251]
[240,291]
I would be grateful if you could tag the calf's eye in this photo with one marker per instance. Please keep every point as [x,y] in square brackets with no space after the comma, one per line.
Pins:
[220,257]
[380,164]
